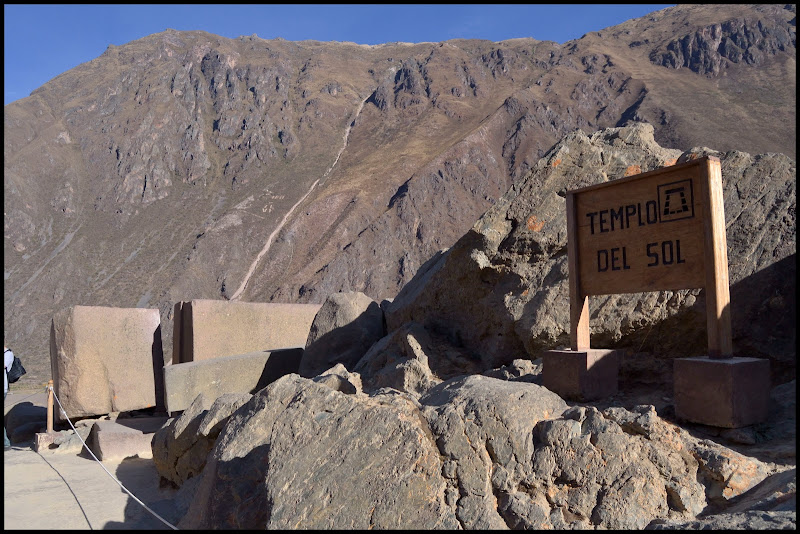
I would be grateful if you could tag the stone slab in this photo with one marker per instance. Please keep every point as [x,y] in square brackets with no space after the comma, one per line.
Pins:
[581,375]
[207,329]
[43,440]
[726,393]
[241,373]
[115,440]
[106,360]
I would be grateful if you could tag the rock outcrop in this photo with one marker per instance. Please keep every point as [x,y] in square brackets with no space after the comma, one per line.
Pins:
[474,453]
[181,446]
[345,327]
[501,291]
[302,455]
[709,50]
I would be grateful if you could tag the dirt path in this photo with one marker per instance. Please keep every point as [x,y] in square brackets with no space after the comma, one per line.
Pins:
[280,226]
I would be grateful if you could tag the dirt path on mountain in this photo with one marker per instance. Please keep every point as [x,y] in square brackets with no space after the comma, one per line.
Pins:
[280,226]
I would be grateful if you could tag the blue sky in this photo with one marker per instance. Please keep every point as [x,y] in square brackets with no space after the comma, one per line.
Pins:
[43,41]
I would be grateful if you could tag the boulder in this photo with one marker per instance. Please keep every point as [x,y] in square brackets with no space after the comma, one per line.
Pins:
[615,469]
[301,455]
[344,328]
[775,493]
[180,447]
[519,371]
[474,452]
[106,360]
[484,429]
[412,360]
[338,378]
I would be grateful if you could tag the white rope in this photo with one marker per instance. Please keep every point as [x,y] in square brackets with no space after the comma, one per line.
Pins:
[64,413]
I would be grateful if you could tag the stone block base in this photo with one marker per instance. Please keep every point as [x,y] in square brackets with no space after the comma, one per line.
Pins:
[116,440]
[726,393]
[43,440]
[581,375]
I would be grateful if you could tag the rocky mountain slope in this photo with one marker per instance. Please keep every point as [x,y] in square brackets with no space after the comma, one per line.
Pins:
[185,165]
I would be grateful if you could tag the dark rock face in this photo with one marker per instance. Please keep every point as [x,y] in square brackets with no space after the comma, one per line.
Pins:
[345,327]
[709,50]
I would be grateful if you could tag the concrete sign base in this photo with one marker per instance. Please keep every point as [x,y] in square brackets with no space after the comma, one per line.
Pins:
[583,375]
[727,393]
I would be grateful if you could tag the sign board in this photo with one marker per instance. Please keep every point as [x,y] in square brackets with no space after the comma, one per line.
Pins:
[659,230]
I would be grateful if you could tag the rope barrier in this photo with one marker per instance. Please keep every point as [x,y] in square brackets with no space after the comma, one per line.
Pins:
[64,413]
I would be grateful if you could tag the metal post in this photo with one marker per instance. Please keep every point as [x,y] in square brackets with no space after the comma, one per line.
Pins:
[50,407]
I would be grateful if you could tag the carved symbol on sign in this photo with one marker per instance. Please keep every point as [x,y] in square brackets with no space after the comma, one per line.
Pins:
[675,201]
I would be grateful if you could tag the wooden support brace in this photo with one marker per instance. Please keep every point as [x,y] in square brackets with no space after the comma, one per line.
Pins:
[578,301]
[50,407]
[718,310]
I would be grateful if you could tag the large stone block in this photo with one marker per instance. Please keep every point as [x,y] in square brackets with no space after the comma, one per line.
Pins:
[727,393]
[115,440]
[206,329]
[242,373]
[106,360]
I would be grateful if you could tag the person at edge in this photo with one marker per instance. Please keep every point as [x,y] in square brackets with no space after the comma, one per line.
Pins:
[8,361]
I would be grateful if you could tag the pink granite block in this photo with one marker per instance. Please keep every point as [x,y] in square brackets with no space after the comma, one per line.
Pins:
[106,360]
[206,329]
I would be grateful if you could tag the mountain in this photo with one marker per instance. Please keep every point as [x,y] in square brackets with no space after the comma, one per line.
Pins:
[186,165]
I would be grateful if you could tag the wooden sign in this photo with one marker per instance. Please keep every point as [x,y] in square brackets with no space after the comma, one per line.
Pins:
[659,230]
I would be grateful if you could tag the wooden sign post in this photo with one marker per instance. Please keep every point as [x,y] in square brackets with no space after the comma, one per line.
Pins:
[659,230]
